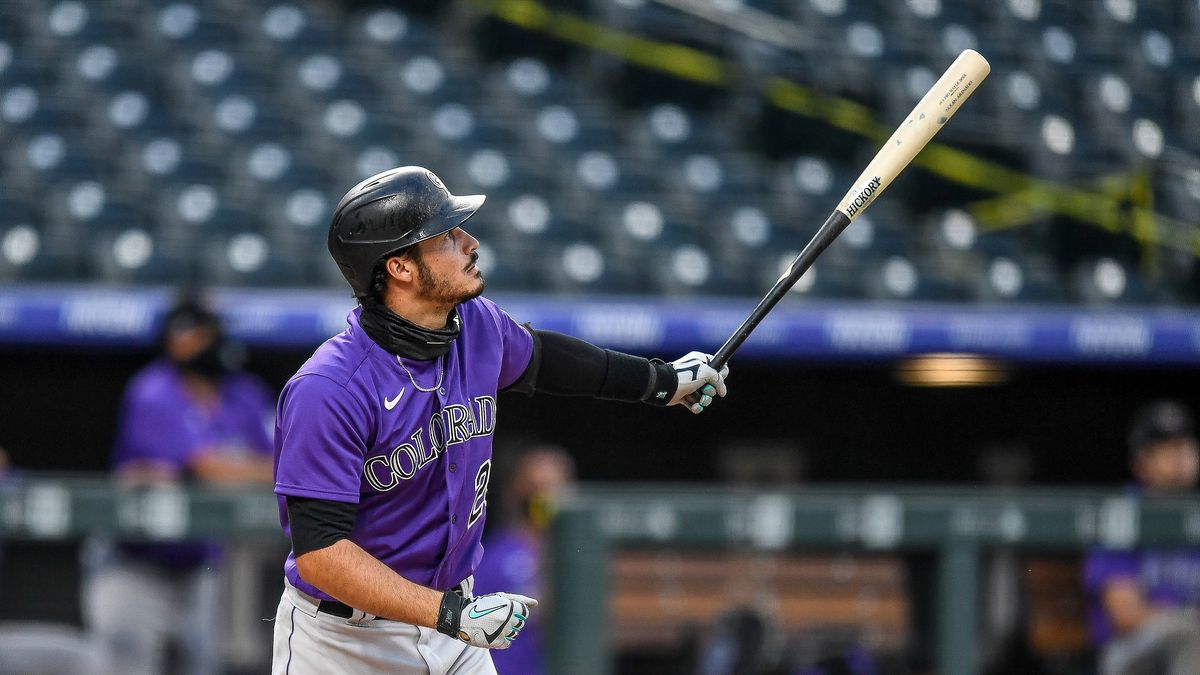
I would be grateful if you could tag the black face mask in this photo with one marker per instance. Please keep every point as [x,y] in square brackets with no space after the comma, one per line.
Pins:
[405,338]
[215,361]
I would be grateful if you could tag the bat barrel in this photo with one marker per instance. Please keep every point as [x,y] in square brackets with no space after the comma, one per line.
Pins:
[938,105]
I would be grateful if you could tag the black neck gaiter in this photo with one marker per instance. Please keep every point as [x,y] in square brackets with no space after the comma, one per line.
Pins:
[405,338]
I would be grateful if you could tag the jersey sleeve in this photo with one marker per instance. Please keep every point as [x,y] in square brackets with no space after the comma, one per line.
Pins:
[516,345]
[321,439]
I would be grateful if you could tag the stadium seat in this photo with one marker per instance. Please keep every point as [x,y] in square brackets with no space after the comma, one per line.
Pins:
[26,254]
[528,83]
[826,280]
[297,216]
[212,73]
[423,79]
[131,114]
[100,66]
[1004,280]
[50,159]
[325,76]
[77,21]
[581,267]
[182,24]
[527,221]
[195,211]
[383,31]
[249,259]
[134,255]
[161,163]
[900,278]
[493,170]
[1107,281]
[292,28]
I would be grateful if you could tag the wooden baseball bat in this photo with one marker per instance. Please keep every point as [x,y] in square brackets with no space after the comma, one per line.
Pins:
[932,112]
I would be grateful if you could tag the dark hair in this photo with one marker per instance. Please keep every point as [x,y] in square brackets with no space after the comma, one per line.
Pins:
[379,275]
[1159,421]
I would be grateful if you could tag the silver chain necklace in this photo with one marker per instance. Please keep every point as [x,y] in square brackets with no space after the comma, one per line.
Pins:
[441,374]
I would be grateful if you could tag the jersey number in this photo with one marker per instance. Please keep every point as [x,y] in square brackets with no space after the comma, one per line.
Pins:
[481,485]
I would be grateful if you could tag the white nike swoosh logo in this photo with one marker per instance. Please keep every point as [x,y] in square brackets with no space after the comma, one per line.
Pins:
[390,403]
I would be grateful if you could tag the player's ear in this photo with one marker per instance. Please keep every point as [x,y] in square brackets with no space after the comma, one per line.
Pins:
[401,268]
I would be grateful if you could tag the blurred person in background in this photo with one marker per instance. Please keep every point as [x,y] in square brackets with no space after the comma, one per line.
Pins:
[514,555]
[189,416]
[1143,603]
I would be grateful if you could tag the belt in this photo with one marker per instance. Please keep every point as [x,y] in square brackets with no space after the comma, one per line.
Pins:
[344,611]
[341,609]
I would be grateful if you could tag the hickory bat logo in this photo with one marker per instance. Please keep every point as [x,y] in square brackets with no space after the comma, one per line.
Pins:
[863,197]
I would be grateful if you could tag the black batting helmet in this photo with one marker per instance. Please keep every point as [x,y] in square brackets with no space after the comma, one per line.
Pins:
[390,211]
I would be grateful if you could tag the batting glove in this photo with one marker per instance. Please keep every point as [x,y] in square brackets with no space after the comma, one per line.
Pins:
[698,381]
[490,621]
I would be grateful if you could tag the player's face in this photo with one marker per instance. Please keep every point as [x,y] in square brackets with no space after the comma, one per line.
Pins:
[185,344]
[1169,465]
[446,268]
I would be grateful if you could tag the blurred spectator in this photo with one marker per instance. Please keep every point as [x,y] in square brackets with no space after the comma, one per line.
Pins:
[1144,602]
[512,558]
[187,416]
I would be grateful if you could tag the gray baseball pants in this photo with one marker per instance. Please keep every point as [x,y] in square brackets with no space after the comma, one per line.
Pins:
[1168,644]
[308,642]
[133,609]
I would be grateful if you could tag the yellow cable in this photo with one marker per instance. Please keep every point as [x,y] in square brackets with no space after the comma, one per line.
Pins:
[1022,196]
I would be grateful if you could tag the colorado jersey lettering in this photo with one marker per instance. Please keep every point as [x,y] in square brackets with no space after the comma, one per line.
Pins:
[418,471]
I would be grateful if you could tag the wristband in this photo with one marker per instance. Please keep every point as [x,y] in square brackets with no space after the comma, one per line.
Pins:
[450,613]
[662,385]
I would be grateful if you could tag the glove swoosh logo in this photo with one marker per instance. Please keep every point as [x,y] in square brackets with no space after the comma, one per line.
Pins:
[390,403]
[491,637]
[475,615]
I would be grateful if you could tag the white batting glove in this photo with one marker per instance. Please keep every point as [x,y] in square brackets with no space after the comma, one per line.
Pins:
[698,381]
[490,621]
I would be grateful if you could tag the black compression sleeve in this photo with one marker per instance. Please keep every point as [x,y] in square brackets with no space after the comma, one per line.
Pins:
[317,523]
[568,366]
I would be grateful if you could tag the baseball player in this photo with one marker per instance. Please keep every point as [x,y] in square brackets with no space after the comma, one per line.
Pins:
[383,440]
[190,416]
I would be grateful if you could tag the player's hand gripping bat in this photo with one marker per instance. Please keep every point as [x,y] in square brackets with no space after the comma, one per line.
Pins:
[933,111]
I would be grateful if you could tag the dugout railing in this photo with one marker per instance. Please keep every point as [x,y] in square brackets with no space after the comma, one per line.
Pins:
[954,524]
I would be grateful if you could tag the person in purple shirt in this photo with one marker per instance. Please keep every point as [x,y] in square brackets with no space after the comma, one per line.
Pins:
[189,416]
[383,440]
[1143,603]
[513,556]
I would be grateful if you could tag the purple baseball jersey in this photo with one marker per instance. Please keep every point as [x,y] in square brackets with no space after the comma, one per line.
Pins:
[354,426]
[513,562]
[163,427]
[1167,577]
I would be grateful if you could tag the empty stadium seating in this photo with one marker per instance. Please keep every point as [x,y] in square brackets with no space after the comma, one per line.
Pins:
[206,140]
